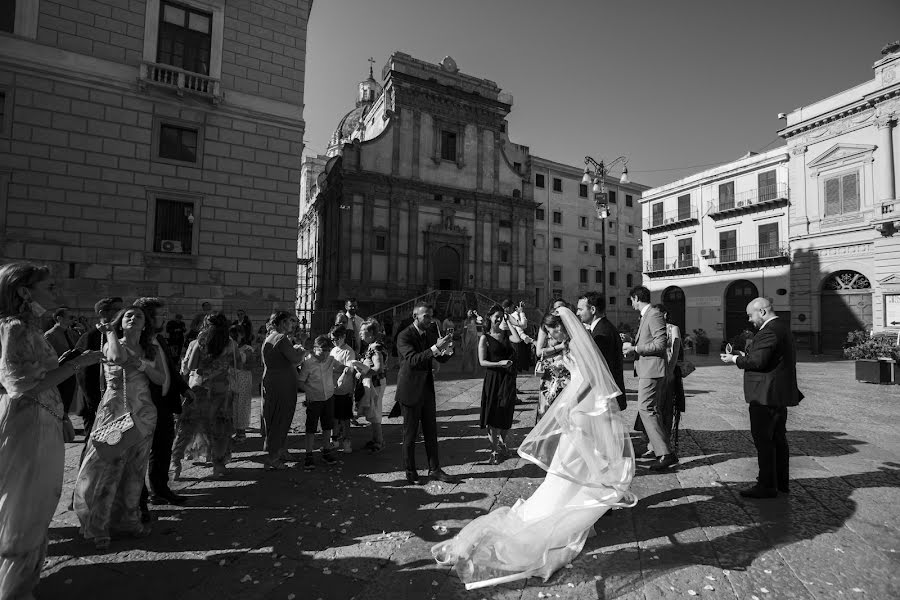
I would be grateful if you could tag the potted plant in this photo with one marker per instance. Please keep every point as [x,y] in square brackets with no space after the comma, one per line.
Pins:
[874,358]
[702,341]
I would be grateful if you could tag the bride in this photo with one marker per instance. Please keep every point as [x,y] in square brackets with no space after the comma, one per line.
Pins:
[581,442]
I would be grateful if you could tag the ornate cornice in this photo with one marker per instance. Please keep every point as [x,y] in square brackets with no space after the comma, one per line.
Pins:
[865,105]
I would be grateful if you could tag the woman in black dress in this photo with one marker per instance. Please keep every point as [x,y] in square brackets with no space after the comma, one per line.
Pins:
[497,354]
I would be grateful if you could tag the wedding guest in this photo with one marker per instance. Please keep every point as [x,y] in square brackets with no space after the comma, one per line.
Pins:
[244,384]
[344,386]
[673,396]
[469,341]
[246,328]
[111,478]
[497,351]
[316,378]
[32,451]
[199,321]
[552,351]
[373,370]
[517,320]
[91,379]
[63,339]
[592,312]
[175,333]
[353,323]
[279,387]
[210,414]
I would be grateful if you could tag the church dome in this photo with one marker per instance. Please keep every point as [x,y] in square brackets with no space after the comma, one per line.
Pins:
[368,91]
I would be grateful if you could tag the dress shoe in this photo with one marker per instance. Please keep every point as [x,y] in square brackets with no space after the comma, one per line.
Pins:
[167,497]
[440,475]
[412,477]
[664,462]
[648,454]
[758,492]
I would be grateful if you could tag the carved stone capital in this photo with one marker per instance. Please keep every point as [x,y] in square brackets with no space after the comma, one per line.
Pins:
[799,150]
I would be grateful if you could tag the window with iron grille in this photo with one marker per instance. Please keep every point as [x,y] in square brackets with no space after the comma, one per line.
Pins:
[612,197]
[539,180]
[612,278]
[178,143]
[631,230]
[598,248]
[598,276]
[173,230]
[612,300]
[582,276]
[448,145]
[557,184]
[539,214]
[8,16]
[612,251]
[629,280]
[582,190]
[557,274]
[766,186]
[557,243]
[185,38]
[629,200]
[583,222]
[629,253]
[557,217]
[842,194]
[726,195]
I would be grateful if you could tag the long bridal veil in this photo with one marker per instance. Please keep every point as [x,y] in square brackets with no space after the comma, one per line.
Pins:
[581,442]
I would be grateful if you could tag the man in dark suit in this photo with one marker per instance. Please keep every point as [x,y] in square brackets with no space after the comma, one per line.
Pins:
[770,386]
[167,399]
[592,312]
[63,338]
[418,346]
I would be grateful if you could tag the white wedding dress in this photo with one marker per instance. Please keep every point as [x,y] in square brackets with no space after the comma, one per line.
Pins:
[582,444]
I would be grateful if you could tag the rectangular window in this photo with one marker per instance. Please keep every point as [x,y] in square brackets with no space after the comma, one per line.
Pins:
[842,194]
[438,197]
[539,180]
[539,214]
[185,38]
[684,207]
[504,255]
[539,241]
[173,230]
[557,217]
[557,243]
[583,222]
[657,214]
[517,166]
[557,274]
[448,145]
[583,247]
[629,280]
[629,253]
[686,252]
[631,230]
[598,276]
[505,223]
[8,16]
[726,195]
[598,248]
[582,276]
[658,256]
[728,246]
[768,240]
[178,143]
[766,187]
[612,197]
[380,242]
[582,190]
[612,278]
[557,184]
[612,251]
[611,224]
[612,300]
[629,200]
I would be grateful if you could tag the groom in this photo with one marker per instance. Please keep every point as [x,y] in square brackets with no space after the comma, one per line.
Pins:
[592,312]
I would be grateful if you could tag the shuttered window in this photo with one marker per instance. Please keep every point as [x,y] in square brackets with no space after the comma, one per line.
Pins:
[842,194]
[726,196]
[766,186]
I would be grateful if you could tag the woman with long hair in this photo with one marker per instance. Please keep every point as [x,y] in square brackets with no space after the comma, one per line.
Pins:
[551,359]
[32,451]
[373,370]
[673,394]
[279,387]
[210,414]
[582,444]
[108,487]
[244,382]
[497,352]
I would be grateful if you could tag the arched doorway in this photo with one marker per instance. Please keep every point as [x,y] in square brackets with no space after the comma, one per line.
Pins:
[446,268]
[673,298]
[737,296]
[846,305]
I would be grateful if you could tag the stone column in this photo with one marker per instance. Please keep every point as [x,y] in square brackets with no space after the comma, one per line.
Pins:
[365,272]
[896,139]
[884,161]
[514,258]
[479,254]
[495,257]
[412,278]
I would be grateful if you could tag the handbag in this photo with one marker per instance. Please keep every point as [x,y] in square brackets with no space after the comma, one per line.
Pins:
[116,437]
[686,367]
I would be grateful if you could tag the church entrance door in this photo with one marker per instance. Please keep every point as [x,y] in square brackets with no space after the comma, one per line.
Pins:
[446,268]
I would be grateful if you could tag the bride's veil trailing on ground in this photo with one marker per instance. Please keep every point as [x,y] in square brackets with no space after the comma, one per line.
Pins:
[581,442]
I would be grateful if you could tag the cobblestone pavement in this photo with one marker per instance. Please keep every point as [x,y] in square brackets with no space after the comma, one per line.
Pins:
[355,531]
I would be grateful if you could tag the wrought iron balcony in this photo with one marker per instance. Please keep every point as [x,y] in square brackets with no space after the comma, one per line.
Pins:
[747,256]
[887,218]
[672,219]
[765,197]
[658,267]
[179,80]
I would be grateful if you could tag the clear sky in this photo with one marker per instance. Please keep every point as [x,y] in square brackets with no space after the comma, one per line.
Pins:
[669,84]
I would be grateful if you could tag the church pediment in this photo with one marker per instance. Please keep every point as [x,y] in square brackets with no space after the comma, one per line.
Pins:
[841,152]
[890,283]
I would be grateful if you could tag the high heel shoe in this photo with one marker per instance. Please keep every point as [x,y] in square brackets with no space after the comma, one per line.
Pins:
[495,459]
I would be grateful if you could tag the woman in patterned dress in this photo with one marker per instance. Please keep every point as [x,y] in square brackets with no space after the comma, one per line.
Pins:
[32,452]
[108,490]
[551,354]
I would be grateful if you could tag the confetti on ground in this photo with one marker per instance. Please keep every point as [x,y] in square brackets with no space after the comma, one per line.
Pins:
[692,593]
[708,587]
[764,590]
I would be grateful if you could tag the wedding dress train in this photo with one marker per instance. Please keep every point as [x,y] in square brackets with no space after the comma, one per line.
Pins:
[582,444]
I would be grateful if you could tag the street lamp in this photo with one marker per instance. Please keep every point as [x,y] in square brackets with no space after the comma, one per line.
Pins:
[597,176]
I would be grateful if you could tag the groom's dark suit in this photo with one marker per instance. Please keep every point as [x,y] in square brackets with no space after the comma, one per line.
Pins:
[606,336]
[415,394]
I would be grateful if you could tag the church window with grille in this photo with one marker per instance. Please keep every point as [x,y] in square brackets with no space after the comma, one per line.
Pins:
[173,230]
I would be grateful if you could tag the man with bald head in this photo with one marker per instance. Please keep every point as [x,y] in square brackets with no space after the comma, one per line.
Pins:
[770,386]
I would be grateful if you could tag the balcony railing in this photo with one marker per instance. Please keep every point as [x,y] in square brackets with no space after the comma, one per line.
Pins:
[751,200]
[887,217]
[181,81]
[742,255]
[686,263]
[671,219]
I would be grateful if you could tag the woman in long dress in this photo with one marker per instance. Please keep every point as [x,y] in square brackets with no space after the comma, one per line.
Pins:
[581,442]
[279,387]
[211,414]
[108,490]
[32,452]
[551,355]
[497,353]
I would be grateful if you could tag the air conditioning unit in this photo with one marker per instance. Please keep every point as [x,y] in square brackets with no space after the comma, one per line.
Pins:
[173,246]
[740,204]
[705,253]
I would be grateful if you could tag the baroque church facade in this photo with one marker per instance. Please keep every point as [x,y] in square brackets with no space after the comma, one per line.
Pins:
[420,189]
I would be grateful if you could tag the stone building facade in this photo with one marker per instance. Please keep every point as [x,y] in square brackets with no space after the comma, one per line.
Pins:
[153,148]
[845,212]
[570,241]
[716,240]
[422,190]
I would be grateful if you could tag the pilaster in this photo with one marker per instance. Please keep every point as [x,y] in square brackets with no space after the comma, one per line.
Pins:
[884,161]
[416,143]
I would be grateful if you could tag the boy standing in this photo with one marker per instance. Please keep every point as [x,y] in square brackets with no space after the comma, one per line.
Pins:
[317,381]
[344,385]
